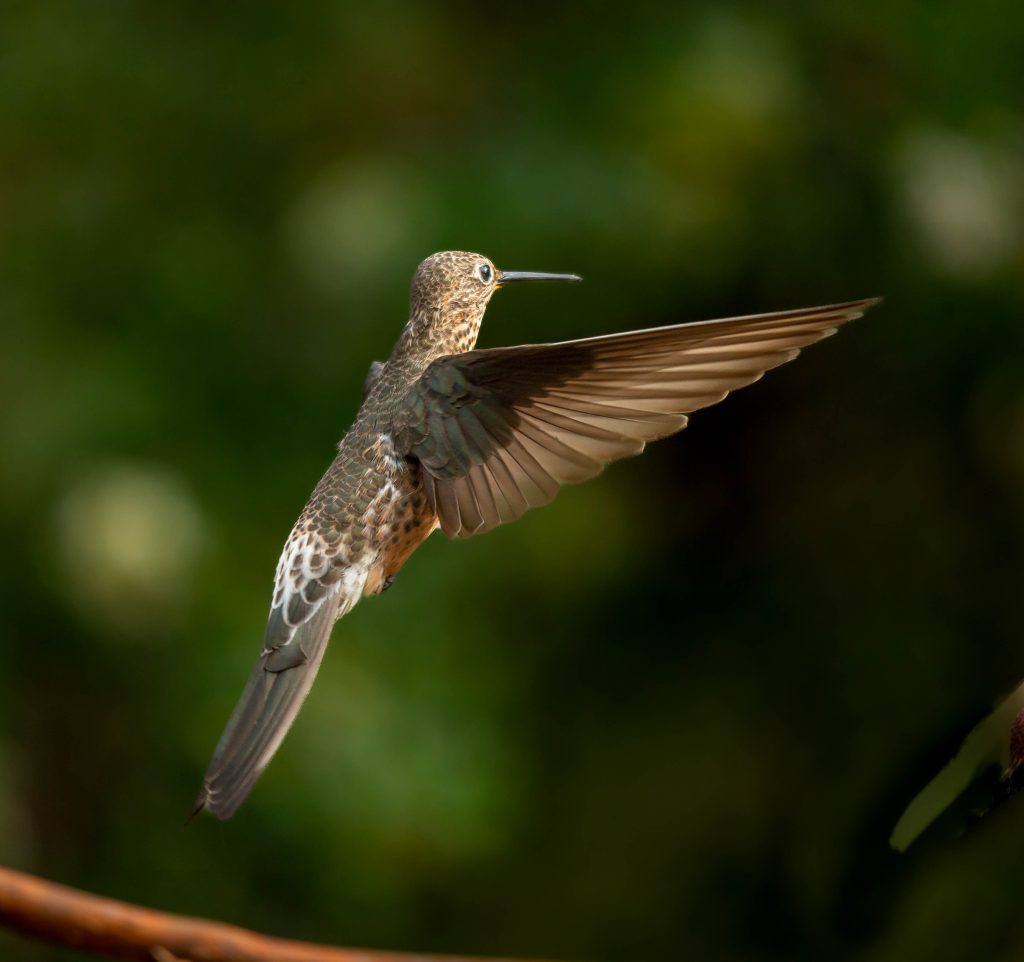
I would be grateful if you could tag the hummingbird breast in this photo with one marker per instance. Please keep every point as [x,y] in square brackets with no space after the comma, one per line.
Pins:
[371,509]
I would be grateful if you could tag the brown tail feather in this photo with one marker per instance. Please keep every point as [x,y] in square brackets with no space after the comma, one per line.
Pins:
[263,715]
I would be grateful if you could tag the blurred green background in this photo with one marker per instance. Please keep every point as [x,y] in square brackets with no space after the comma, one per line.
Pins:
[675,714]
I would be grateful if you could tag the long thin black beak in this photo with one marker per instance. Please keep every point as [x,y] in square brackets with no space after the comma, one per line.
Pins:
[511,277]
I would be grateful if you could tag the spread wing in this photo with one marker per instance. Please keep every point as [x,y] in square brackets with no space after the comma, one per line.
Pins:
[499,431]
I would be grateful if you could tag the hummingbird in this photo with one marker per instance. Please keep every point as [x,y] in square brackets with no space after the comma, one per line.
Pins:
[464,440]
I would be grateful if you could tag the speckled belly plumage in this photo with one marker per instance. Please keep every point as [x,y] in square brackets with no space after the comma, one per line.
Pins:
[403,520]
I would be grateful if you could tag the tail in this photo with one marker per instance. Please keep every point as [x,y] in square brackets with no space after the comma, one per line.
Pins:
[272,698]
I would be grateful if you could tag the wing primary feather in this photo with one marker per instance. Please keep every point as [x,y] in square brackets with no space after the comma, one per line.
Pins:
[585,441]
[469,509]
[448,509]
[566,464]
[504,509]
[509,476]
[545,487]
[501,472]
[484,497]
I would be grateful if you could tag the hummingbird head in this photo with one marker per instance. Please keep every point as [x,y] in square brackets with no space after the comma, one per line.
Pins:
[453,281]
[450,292]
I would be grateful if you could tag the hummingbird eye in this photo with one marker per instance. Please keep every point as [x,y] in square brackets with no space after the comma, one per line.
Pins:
[485,272]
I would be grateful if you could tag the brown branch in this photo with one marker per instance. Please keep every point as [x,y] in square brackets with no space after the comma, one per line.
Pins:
[90,923]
